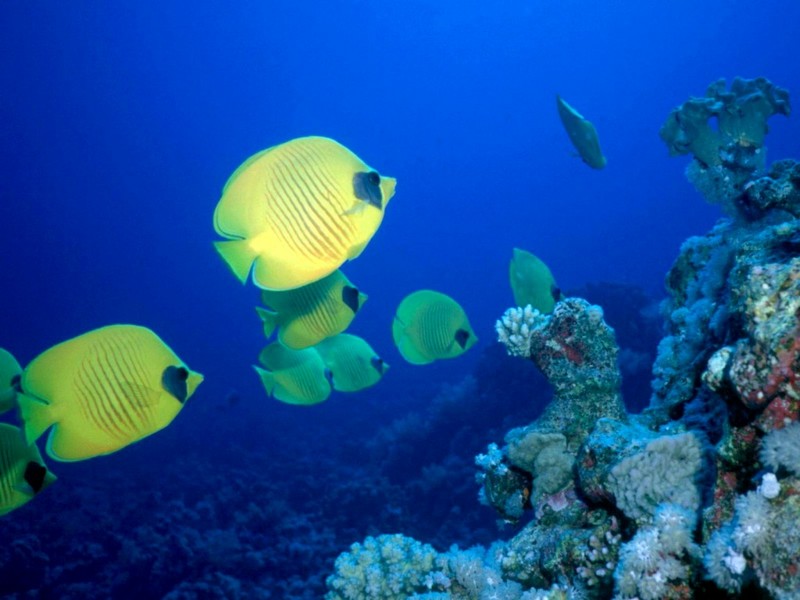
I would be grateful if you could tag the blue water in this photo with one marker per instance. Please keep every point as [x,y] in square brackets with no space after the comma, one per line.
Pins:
[121,122]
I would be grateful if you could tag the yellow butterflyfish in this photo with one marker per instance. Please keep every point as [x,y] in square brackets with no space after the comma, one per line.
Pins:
[307,315]
[293,213]
[430,325]
[293,376]
[352,362]
[102,391]
[23,474]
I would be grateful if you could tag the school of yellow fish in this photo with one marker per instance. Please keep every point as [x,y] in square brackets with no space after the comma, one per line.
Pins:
[291,216]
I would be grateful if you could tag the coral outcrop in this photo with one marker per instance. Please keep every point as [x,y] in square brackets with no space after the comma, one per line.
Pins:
[696,496]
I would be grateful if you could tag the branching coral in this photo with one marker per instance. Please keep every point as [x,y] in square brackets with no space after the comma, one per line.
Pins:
[388,567]
[659,561]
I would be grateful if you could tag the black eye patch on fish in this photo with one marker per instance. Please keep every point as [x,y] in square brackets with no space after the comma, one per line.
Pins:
[34,476]
[462,335]
[174,381]
[367,187]
[378,364]
[350,298]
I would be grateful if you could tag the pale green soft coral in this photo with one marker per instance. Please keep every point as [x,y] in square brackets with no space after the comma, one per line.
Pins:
[664,472]
[544,455]
[724,131]
[741,115]
[387,567]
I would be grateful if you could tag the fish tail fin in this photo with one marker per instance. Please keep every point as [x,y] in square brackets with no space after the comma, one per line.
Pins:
[269,318]
[238,255]
[267,379]
[36,417]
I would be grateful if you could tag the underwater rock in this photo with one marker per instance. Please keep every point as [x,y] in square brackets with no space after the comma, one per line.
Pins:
[577,352]
[778,190]
[504,487]
[559,547]
[764,366]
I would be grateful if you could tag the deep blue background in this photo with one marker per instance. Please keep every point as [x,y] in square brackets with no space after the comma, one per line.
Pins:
[120,122]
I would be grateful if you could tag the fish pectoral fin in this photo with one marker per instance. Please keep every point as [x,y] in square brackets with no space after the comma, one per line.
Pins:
[356,209]
[25,488]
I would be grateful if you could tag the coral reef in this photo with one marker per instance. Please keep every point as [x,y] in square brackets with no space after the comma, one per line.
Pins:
[698,495]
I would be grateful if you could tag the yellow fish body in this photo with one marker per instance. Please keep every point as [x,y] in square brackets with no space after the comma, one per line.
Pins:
[10,372]
[307,315]
[293,376]
[102,391]
[23,474]
[352,362]
[532,282]
[430,325]
[582,134]
[295,212]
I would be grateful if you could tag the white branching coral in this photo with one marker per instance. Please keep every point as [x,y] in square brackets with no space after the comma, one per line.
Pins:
[514,329]
[659,558]
[759,542]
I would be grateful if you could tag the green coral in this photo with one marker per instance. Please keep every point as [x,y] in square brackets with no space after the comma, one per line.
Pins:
[741,114]
[728,156]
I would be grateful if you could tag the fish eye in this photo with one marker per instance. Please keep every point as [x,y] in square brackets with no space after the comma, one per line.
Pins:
[374,178]
[183,374]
